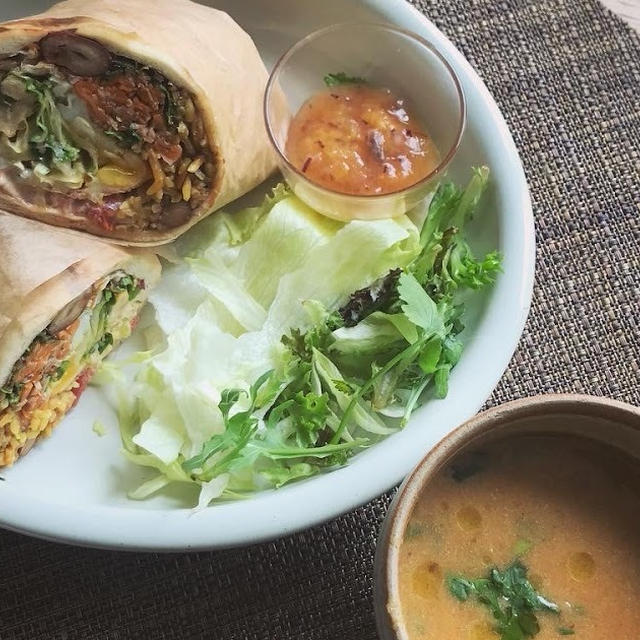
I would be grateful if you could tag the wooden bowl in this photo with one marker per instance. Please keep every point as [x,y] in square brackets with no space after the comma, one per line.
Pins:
[609,422]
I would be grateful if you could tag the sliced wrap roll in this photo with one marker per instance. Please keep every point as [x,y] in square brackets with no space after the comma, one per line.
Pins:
[129,119]
[65,303]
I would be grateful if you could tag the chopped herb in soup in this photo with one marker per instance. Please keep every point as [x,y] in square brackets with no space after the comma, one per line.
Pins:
[532,537]
[510,598]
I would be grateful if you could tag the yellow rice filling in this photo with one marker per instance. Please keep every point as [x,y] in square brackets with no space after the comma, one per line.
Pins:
[13,437]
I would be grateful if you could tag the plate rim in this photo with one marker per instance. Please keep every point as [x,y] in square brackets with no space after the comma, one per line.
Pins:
[156,529]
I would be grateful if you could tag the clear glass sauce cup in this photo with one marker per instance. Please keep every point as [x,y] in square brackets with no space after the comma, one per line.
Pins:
[387,57]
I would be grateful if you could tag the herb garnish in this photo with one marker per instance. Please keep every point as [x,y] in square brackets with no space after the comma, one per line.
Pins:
[414,530]
[335,79]
[511,599]
[522,546]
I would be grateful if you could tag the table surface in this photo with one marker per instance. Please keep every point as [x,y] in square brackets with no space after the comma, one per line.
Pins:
[628,10]
[566,75]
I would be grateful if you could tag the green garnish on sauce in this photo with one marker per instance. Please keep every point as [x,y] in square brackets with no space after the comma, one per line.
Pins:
[336,79]
[510,598]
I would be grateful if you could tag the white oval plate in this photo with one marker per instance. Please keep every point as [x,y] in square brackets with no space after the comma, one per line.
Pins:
[72,487]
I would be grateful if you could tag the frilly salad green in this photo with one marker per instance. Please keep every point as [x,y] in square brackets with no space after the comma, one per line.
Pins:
[289,342]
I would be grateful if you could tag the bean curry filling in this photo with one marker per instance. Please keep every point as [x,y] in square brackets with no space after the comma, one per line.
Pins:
[100,137]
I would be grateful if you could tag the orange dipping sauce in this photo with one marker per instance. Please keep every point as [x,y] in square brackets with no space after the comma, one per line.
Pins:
[360,140]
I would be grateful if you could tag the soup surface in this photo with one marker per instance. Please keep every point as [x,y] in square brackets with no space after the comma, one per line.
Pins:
[360,140]
[558,518]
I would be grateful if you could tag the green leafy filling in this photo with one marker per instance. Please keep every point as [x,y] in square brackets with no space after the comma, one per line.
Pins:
[48,140]
[127,138]
[102,338]
[170,106]
[127,283]
[61,370]
[11,391]
[10,394]
[105,341]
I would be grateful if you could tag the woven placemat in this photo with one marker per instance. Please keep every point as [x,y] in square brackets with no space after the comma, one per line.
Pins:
[566,74]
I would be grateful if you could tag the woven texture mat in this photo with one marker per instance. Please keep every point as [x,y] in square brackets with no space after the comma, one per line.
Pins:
[566,74]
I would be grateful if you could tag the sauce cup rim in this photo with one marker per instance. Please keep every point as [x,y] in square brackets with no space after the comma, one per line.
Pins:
[386,600]
[446,159]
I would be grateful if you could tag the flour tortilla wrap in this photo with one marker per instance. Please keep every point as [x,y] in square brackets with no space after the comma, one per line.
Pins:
[199,49]
[43,269]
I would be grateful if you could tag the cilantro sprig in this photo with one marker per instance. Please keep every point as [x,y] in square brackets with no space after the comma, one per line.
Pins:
[510,598]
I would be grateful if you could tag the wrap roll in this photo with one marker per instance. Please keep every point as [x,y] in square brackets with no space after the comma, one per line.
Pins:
[65,303]
[129,119]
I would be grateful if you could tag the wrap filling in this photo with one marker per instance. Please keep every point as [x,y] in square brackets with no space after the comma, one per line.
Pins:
[55,369]
[100,138]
